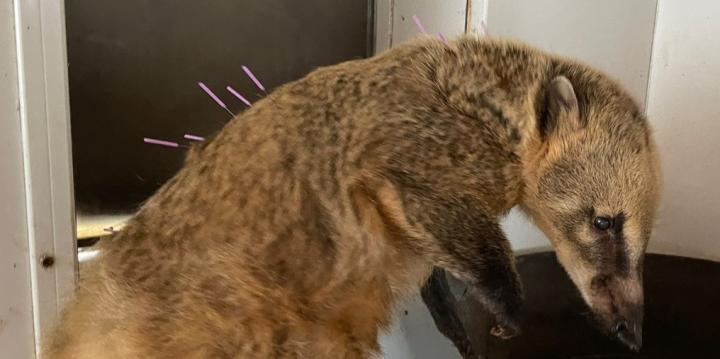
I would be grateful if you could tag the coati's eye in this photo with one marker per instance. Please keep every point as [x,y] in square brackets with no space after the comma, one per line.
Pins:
[602,223]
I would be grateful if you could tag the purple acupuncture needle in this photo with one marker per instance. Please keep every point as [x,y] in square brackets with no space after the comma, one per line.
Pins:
[484,28]
[194,138]
[443,38]
[160,142]
[239,96]
[253,78]
[214,97]
[420,26]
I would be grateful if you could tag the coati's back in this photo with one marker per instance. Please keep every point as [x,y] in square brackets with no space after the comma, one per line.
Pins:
[295,229]
[252,249]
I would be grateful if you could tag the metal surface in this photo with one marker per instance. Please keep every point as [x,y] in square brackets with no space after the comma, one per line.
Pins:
[135,65]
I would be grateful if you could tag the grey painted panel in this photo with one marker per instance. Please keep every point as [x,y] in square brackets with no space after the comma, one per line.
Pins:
[613,35]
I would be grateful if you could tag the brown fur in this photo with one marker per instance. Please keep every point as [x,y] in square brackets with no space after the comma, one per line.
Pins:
[296,229]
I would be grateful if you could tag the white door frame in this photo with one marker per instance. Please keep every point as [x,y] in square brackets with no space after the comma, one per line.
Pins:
[38,131]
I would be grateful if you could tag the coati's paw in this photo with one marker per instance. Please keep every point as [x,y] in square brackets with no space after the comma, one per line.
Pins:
[505,304]
[507,323]
[504,332]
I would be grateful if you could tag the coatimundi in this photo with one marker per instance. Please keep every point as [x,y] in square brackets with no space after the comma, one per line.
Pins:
[294,231]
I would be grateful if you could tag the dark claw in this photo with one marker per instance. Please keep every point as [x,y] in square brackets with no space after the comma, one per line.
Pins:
[503,332]
[628,334]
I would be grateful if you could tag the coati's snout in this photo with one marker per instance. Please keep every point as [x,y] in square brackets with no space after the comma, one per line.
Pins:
[618,306]
[593,190]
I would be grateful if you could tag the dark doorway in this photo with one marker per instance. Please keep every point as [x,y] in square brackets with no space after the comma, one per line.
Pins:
[135,67]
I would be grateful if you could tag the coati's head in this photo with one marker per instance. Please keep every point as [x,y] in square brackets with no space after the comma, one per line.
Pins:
[593,188]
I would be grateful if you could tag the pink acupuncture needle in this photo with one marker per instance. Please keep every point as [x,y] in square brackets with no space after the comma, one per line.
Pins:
[215,98]
[253,78]
[484,28]
[160,142]
[419,24]
[194,138]
[443,38]
[239,96]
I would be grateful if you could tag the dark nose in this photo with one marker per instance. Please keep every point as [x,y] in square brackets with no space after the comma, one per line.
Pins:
[629,332]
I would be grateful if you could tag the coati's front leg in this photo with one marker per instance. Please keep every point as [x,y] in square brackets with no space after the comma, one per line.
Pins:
[455,233]
[475,250]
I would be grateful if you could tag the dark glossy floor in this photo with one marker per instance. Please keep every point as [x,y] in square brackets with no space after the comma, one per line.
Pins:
[682,318]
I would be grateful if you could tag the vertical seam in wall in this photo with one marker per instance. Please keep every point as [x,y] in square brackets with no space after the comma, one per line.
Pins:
[391,23]
[371,26]
[468,16]
[648,83]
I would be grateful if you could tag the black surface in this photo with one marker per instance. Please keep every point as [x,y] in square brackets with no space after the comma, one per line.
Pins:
[135,64]
[682,319]
[443,307]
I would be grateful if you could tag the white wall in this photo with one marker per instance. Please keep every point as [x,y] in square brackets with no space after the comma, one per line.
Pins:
[449,18]
[612,35]
[414,335]
[394,23]
[684,107]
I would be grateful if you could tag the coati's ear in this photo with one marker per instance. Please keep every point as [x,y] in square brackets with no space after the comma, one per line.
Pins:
[560,108]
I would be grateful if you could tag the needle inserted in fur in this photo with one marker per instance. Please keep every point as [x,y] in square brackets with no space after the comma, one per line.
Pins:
[194,138]
[239,96]
[215,98]
[443,38]
[160,142]
[253,78]
[419,24]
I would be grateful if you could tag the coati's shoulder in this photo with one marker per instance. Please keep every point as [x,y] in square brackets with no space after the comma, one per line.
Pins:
[510,63]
